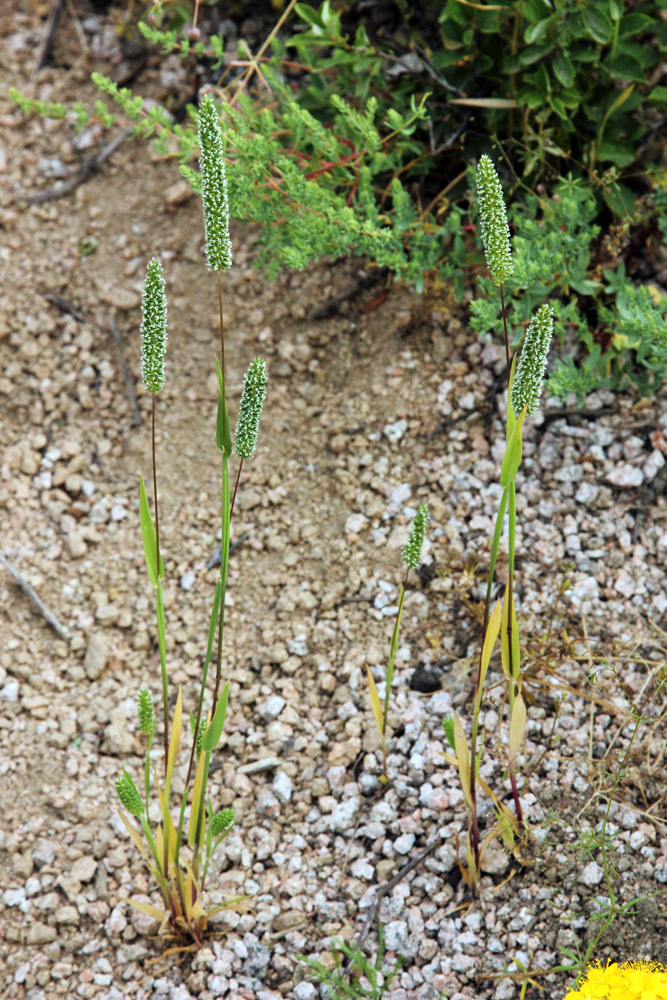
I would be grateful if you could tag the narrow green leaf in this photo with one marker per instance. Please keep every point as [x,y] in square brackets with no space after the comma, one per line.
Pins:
[392,653]
[214,731]
[148,536]
[375,701]
[512,459]
[226,445]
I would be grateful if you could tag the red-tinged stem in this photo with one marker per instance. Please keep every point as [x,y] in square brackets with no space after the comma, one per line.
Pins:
[236,486]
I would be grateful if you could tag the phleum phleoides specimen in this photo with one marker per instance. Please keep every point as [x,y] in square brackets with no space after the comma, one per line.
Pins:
[524,384]
[178,858]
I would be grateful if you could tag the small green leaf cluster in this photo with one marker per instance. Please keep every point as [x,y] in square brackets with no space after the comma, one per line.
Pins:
[211,49]
[351,968]
[561,62]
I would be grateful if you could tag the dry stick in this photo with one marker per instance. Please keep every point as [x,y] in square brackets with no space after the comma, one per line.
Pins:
[89,167]
[127,375]
[45,54]
[388,886]
[37,601]
[254,59]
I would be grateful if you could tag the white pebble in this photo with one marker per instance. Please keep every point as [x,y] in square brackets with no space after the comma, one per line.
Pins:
[282,786]
[626,475]
[592,874]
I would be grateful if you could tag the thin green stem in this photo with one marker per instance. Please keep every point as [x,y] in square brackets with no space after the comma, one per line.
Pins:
[160,603]
[222,356]
[507,340]
[495,545]
[510,588]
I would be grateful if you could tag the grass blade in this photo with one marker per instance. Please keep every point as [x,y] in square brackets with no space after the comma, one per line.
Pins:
[375,701]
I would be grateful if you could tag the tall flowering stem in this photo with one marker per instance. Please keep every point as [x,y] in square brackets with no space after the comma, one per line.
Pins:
[524,388]
[153,350]
[495,232]
[215,203]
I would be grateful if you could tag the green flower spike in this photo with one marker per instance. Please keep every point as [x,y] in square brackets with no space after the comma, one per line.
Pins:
[128,794]
[250,410]
[200,736]
[146,712]
[493,221]
[214,187]
[222,822]
[412,550]
[527,385]
[153,328]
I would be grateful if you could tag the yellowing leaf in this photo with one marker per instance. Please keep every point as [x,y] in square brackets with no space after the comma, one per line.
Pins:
[517,727]
[187,896]
[462,758]
[485,102]
[487,649]
[656,294]
[134,833]
[375,702]
[152,911]
[196,800]
[621,99]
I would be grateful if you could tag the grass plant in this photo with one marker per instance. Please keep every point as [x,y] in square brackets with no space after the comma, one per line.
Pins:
[524,386]
[177,857]
[412,551]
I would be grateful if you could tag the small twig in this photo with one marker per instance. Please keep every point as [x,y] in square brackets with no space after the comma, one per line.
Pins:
[67,307]
[36,600]
[88,168]
[332,305]
[583,412]
[217,558]
[388,886]
[127,375]
[47,47]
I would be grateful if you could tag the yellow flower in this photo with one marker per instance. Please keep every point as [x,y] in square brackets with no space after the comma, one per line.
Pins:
[631,981]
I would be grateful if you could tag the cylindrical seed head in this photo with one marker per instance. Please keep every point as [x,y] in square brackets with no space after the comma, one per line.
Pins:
[250,410]
[128,794]
[203,723]
[153,327]
[146,712]
[222,821]
[529,377]
[412,550]
[214,187]
[493,221]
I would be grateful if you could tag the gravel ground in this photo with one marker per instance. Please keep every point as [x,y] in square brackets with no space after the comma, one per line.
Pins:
[371,412]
